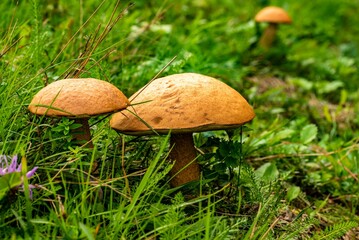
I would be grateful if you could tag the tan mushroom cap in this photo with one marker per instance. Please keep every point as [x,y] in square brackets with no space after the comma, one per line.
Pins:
[183,103]
[77,98]
[273,14]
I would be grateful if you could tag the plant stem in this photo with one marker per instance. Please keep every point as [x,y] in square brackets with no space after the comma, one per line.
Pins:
[186,168]
[83,134]
[268,36]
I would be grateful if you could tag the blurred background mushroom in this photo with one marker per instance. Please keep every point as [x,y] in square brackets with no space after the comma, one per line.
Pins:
[183,104]
[273,16]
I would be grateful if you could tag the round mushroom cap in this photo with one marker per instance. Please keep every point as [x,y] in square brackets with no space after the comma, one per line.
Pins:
[183,103]
[78,97]
[273,14]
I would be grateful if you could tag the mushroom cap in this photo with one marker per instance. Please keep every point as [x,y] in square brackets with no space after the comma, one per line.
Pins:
[183,103]
[273,14]
[79,97]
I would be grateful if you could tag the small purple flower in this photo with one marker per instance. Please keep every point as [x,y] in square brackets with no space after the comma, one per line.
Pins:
[6,168]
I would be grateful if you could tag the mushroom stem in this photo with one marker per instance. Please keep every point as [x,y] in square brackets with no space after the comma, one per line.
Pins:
[268,36]
[183,153]
[83,134]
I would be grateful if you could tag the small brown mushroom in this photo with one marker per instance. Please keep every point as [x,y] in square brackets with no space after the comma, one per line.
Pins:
[183,104]
[79,99]
[273,16]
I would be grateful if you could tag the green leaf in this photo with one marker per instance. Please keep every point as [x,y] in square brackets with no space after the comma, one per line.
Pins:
[9,181]
[267,172]
[220,167]
[232,162]
[292,193]
[87,231]
[327,87]
[75,126]
[284,134]
[308,133]
[302,83]
[2,194]
[224,148]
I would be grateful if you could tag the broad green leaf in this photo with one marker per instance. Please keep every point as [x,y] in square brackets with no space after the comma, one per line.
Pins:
[9,181]
[327,87]
[220,167]
[2,194]
[87,231]
[292,193]
[302,83]
[308,133]
[267,172]
[284,134]
[224,148]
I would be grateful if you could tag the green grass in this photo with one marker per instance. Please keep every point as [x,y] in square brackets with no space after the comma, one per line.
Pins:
[299,174]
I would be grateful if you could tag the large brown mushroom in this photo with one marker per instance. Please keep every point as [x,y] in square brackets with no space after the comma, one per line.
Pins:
[273,16]
[183,104]
[79,99]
